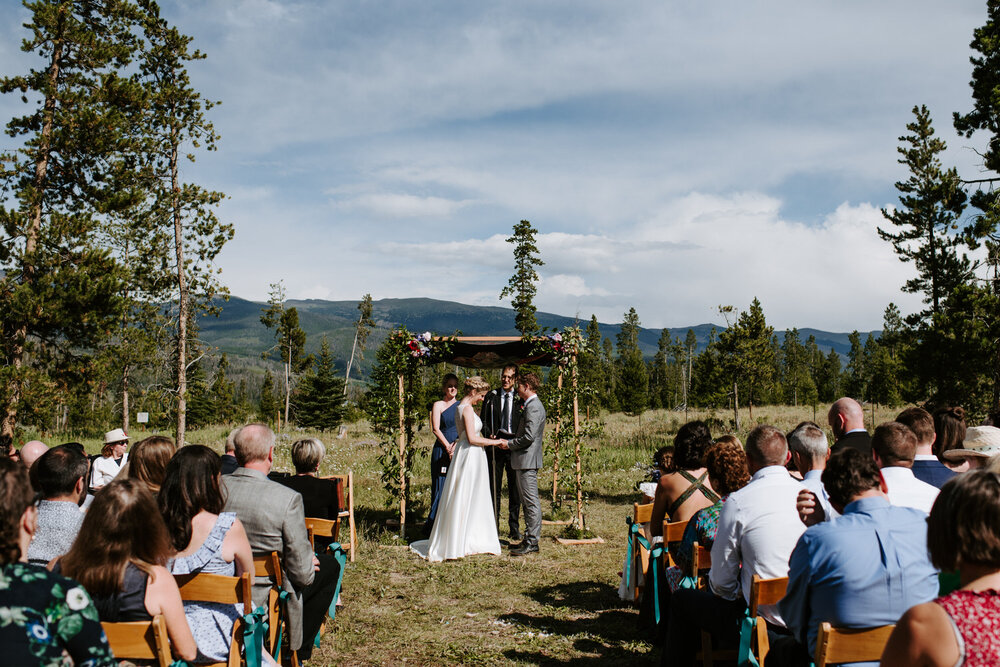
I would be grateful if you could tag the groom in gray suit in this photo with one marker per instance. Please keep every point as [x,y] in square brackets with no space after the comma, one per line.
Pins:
[526,459]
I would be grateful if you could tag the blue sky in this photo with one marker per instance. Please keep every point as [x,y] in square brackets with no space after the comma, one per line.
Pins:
[674,156]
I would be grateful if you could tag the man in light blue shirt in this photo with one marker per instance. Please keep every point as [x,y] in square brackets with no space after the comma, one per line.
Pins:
[859,570]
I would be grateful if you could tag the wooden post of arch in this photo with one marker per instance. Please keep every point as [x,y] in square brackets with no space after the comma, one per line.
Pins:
[576,447]
[402,459]
[555,460]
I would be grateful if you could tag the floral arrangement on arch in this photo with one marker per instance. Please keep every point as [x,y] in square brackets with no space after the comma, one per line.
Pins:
[421,348]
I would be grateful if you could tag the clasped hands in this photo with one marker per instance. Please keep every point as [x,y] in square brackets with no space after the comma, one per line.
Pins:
[502,444]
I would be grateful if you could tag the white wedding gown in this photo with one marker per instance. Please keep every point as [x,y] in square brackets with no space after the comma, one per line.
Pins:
[465,523]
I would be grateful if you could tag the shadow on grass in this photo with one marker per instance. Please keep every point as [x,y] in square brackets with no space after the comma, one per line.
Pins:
[606,631]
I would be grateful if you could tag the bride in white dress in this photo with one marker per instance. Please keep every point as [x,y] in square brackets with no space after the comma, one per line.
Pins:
[465,523]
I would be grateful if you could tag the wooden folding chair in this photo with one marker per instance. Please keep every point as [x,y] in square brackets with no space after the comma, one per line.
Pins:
[140,640]
[347,509]
[701,560]
[640,555]
[222,589]
[839,645]
[269,566]
[762,591]
[322,528]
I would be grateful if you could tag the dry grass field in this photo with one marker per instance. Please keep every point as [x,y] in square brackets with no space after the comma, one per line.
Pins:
[558,607]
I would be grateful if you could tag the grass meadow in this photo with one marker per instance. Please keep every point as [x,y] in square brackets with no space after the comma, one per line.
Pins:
[557,607]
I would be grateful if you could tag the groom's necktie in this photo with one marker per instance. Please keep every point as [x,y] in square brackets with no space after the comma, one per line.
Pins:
[505,421]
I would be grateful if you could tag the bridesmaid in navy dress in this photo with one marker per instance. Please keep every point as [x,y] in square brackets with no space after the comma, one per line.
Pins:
[446,435]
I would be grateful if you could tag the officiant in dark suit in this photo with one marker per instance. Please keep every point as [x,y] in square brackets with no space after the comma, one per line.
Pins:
[501,414]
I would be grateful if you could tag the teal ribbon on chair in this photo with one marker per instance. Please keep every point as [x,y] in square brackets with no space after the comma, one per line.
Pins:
[656,558]
[282,621]
[634,530]
[254,629]
[341,557]
[745,656]
[180,663]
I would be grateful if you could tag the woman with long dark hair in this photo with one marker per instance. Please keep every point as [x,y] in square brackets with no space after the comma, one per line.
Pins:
[46,616]
[120,557]
[207,540]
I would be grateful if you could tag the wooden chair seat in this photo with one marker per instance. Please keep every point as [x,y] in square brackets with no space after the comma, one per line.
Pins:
[224,590]
[322,528]
[140,640]
[839,645]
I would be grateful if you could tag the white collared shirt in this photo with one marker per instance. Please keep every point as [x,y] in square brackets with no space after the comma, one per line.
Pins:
[905,490]
[504,397]
[758,528]
[813,481]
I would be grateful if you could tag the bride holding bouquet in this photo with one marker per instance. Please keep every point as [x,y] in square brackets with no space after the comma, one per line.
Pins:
[465,523]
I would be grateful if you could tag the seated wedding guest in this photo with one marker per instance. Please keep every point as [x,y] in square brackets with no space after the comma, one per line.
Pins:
[726,463]
[859,570]
[229,464]
[758,528]
[114,454]
[949,427]
[810,452]
[274,521]
[31,451]
[48,619]
[981,443]
[682,493]
[894,446]
[60,475]
[963,533]
[926,466]
[79,448]
[120,555]
[149,459]
[320,497]
[207,540]
[847,421]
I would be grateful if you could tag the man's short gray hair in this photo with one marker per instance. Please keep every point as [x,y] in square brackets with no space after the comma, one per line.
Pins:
[306,454]
[809,441]
[253,442]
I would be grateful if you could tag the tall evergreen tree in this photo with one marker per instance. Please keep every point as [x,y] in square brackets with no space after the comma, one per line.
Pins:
[633,378]
[856,375]
[175,124]
[320,395]
[58,292]
[223,394]
[267,405]
[798,382]
[927,223]
[747,354]
[591,372]
[290,336]
[521,286]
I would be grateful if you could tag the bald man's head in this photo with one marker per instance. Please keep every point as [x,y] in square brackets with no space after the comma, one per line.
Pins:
[845,415]
[31,451]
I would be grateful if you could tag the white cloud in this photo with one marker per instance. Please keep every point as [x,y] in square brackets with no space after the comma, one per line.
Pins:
[395,205]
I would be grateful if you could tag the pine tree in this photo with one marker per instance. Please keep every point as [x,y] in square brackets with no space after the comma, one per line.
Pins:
[829,382]
[521,286]
[591,373]
[59,292]
[223,394]
[267,405]
[320,395]
[798,382]
[747,354]
[633,378]
[856,380]
[290,336]
[174,124]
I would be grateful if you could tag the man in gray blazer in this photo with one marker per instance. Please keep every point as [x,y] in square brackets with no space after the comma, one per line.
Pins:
[526,459]
[273,518]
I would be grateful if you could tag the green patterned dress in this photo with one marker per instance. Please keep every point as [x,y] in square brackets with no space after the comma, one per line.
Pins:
[48,620]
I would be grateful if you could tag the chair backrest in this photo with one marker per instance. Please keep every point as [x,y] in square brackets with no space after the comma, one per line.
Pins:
[140,640]
[216,588]
[766,591]
[837,645]
[673,531]
[323,528]
[268,565]
[642,513]
[702,559]
[347,510]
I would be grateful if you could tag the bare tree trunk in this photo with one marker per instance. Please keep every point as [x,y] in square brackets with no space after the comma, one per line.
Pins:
[125,405]
[18,355]
[736,405]
[182,299]
[347,374]
[576,447]
[288,390]
[555,457]
[402,460]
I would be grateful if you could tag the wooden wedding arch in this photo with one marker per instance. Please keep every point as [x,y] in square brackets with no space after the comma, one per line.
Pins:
[560,350]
